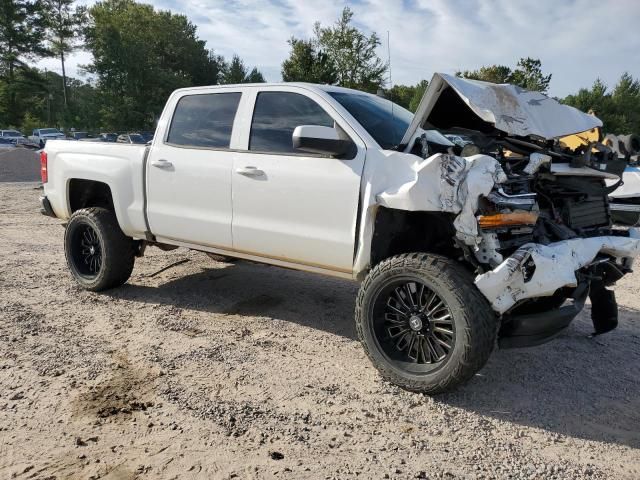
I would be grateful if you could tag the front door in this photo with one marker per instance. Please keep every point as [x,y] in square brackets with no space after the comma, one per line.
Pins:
[289,205]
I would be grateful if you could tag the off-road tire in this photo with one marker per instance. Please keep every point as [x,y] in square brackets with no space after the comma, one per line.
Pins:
[476,325]
[117,250]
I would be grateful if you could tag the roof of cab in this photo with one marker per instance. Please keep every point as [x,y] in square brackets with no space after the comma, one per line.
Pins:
[307,86]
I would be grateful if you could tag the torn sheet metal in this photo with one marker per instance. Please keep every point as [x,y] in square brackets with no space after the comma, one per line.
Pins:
[555,267]
[508,108]
[407,182]
[566,170]
[447,183]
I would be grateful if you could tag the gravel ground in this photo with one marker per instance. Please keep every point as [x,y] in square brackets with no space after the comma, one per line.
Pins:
[214,370]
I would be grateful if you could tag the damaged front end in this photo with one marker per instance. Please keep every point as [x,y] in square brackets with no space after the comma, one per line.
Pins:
[533,217]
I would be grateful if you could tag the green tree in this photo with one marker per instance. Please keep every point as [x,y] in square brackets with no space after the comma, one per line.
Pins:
[352,53]
[64,23]
[408,96]
[626,102]
[236,72]
[618,109]
[210,71]
[401,94]
[420,88]
[308,64]
[22,38]
[527,74]
[140,56]
[492,73]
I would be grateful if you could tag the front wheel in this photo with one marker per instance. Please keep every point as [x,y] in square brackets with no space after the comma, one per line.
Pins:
[99,255]
[423,323]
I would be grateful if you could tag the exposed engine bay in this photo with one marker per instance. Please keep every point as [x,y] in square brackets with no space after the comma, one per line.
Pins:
[536,226]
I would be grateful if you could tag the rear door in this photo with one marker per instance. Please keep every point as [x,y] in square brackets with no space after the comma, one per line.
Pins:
[189,170]
[289,205]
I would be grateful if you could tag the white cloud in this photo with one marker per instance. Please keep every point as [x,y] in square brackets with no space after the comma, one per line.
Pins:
[577,41]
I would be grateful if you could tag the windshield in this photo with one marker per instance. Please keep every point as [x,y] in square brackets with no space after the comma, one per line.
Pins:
[376,116]
[49,131]
[136,138]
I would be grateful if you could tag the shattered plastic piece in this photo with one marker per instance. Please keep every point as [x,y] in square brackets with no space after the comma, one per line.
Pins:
[487,251]
[555,267]
[536,160]
[448,183]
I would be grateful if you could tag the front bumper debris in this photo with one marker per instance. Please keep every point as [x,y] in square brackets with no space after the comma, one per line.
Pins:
[536,270]
[535,329]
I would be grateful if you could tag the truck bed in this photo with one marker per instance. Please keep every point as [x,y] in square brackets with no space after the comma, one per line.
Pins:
[119,166]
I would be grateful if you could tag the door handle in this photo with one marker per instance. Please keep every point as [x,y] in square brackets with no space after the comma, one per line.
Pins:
[162,163]
[250,171]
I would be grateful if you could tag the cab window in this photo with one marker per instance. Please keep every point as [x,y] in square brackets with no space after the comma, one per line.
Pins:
[204,120]
[275,117]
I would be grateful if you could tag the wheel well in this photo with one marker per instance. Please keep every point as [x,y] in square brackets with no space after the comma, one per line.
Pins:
[89,193]
[400,231]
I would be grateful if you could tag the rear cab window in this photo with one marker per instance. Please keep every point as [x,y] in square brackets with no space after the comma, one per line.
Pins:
[275,117]
[204,120]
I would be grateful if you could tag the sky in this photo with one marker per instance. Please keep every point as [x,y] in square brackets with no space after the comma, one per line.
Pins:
[576,40]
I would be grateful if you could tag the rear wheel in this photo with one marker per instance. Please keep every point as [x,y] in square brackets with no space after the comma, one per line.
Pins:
[99,255]
[423,323]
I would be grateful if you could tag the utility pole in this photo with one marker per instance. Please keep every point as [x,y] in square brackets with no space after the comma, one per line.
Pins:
[46,77]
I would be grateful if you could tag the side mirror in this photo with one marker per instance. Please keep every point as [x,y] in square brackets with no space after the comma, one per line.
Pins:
[323,140]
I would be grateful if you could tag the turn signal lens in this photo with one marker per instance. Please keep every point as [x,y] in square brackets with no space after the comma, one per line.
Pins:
[507,219]
[43,167]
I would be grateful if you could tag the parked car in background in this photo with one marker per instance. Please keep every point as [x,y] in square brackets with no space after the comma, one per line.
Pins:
[17,138]
[41,135]
[148,136]
[11,134]
[25,143]
[108,137]
[78,135]
[131,138]
[6,143]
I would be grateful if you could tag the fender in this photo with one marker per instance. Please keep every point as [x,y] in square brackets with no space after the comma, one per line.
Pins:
[121,168]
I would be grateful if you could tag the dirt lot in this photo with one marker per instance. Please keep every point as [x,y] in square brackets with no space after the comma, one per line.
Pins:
[212,370]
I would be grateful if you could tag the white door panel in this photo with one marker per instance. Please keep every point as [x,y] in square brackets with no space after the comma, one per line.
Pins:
[190,200]
[301,209]
[294,207]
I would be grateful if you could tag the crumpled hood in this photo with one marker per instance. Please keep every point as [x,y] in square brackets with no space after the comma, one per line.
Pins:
[451,102]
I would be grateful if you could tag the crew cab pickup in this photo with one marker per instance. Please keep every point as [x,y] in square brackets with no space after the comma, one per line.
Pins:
[457,248]
[40,136]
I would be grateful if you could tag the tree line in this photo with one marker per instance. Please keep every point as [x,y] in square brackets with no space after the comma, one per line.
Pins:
[140,55]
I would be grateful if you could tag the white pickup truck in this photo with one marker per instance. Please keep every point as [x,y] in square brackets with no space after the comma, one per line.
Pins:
[40,136]
[456,251]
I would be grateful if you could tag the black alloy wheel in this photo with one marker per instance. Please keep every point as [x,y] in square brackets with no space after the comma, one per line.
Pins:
[413,325]
[86,253]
